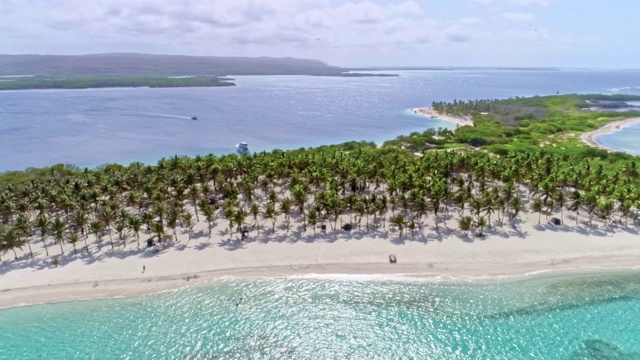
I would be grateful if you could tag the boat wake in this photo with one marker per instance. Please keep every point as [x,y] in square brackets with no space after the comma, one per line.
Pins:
[168,116]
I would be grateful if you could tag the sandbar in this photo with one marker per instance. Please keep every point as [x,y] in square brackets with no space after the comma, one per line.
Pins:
[429,112]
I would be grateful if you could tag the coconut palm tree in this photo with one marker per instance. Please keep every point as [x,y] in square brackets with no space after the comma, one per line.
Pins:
[465,223]
[312,219]
[270,213]
[187,217]
[10,240]
[42,223]
[285,209]
[398,221]
[22,225]
[97,228]
[158,231]
[135,224]
[537,206]
[209,213]
[73,239]
[481,223]
[58,228]
[255,212]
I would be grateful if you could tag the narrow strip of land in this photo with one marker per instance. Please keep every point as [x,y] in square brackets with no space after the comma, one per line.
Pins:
[460,121]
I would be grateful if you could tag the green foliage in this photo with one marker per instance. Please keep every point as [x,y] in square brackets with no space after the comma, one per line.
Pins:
[106,82]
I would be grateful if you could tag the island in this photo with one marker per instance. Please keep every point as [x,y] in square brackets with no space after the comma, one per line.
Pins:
[22,72]
[517,192]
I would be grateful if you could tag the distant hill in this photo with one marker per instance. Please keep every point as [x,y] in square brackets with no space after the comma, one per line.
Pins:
[158,65]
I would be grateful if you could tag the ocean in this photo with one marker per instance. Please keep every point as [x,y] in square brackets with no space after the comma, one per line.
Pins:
[91,127]
[579,316]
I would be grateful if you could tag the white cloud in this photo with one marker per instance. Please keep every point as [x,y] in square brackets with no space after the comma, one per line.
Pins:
[531,2]
[470,20]
[518,17]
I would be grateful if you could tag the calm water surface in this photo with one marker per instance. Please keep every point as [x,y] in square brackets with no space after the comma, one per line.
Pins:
[563,317]
[93,127]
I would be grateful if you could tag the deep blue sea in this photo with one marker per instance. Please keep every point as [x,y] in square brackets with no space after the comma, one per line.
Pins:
[96,126]
[577,317]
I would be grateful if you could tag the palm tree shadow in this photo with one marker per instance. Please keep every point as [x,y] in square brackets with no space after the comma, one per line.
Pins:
[203,246]
[231,245]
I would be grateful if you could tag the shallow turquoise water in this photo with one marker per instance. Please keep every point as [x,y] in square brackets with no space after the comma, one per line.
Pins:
[562,317]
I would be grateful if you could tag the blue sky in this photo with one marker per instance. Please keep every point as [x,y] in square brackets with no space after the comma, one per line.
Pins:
[564,33]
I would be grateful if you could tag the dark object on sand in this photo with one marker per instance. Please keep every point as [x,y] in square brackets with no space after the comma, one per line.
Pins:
[393,259]
[323,227]
[346,227]
[212,201]
[556,221]
[149,242]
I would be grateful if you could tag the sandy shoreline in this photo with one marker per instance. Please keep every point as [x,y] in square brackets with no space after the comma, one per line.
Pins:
[590,138]
[432,254]
[429,112]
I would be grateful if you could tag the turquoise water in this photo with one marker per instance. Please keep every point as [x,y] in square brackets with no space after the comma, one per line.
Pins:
[625,140]
[563,317]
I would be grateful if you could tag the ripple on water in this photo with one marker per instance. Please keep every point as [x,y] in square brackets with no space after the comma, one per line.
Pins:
[561,317]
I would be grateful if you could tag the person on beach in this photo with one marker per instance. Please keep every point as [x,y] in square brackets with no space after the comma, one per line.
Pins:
[143,269]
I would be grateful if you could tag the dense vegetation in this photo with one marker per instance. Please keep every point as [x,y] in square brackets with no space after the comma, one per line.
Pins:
[135,65]
[369,186]
[23,83]
[524,124]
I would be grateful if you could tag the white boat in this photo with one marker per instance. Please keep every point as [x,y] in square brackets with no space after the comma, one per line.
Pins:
[242,148]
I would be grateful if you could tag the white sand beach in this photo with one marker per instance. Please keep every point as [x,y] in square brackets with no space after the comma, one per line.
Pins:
[460,121]
[590,138]
[445,253]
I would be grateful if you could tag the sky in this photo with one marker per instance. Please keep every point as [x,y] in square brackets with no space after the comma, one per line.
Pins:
[540,33]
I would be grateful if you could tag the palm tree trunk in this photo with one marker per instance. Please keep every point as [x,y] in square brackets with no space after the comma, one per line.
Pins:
[61,249]
[29,245]
[45,245]
[85,243]
[14,253]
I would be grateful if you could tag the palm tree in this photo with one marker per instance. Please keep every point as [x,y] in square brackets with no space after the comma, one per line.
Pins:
[135,224]
[96,228]
[172,220]
[22,225]
[187,217]
[158,230]
[537,207]
[465,223]
[106,216]
[147,219]
[481,223]
[516,205]
[73,239]
[42,223]
[10,240]
[285,209]
[312,219]
[270,213]
[398,221]
[208,212]
[255,212]
[58,227]
[120,229]
[194,193]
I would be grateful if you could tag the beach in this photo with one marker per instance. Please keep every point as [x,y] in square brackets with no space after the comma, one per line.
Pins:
[460,121]
[590,138]
[434,255]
